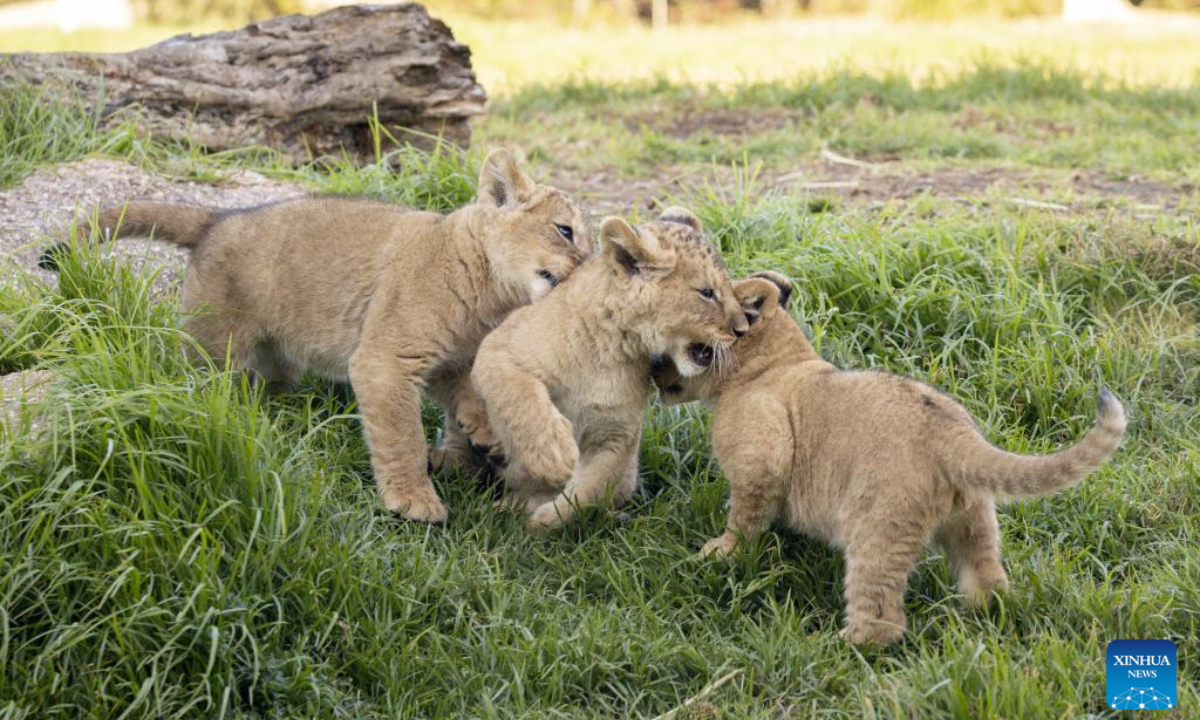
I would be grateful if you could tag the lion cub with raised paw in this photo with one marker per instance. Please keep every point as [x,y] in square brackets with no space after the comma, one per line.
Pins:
[873,463]
[392,299]
[565,381]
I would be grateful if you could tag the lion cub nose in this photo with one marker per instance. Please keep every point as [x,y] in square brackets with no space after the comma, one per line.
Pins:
[740,326]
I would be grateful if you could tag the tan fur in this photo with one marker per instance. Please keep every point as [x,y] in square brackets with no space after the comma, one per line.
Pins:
[873,463]
[394,300]
[566,380]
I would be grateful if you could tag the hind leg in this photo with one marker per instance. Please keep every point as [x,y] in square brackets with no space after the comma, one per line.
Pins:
[971,539]
[268,364]
[225,335]
[223,331]
[882,551]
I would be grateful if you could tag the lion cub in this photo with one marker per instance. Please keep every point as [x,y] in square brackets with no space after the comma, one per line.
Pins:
[566,380]
[874,463]
[393,299]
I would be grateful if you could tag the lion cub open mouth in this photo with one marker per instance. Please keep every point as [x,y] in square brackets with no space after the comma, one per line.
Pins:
[700,355]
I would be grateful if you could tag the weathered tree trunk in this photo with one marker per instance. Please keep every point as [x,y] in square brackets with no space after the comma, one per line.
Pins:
[304,85]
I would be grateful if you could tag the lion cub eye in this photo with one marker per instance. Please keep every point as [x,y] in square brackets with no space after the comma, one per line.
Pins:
[567,233]
[707,293]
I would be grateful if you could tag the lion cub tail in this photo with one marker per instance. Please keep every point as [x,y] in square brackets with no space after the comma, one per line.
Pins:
[983,466]
[178,223]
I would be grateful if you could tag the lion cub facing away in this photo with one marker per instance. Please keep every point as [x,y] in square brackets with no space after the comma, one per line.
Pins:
[393,299]
[874,463]
[565,380]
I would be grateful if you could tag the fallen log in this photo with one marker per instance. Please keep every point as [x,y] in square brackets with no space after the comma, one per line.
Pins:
[303,85]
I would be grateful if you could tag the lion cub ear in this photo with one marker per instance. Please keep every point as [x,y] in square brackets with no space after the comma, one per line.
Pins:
[781,281]
[683,216]
[502,181]
[630,252]
[758,297]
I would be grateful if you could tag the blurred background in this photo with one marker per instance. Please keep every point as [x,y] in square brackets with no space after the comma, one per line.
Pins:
[521,42]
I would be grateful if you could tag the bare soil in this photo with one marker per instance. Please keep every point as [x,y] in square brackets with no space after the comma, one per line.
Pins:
[606,192]
[871,180]
[891,181]
[714,121]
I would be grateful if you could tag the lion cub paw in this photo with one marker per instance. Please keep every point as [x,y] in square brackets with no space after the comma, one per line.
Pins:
[877,634]
[421,506]
[482,439]
[441,459]
[981,585]
[549,516]
[719,547]
[552,460]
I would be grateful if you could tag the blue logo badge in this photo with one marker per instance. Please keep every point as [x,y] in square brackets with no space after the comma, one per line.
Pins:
[1142,675]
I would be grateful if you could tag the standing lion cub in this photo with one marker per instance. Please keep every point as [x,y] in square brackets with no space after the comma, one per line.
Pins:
[393,299]
[566,380]
[874,463]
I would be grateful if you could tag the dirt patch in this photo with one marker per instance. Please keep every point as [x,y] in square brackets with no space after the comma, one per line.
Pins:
[1025,128]
[1077,191]
[1135,187]
[875,183]
[36,212]
[607,192]
[694,121]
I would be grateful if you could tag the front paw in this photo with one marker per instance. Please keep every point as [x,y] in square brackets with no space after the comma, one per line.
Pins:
[547,517]
[421,505]
[482,440]
[552,459]
[719,547]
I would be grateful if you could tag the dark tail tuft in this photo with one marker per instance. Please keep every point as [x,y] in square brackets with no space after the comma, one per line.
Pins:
[1107,406]
[52,257]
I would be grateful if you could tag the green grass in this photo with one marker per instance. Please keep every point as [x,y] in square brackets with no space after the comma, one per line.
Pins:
[172,544]
[1015,116]
[39,126]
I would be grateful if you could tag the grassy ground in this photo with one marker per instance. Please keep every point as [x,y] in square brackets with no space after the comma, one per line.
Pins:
[171,544]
